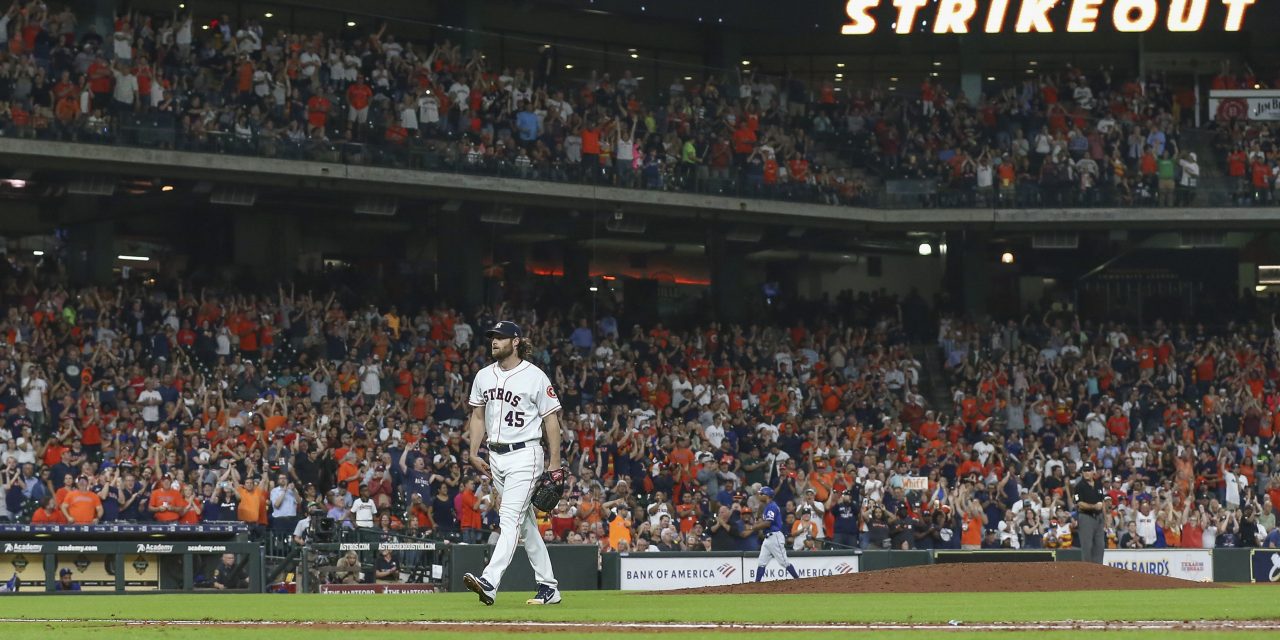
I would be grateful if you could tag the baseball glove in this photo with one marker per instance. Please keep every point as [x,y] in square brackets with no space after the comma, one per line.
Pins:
[548,490]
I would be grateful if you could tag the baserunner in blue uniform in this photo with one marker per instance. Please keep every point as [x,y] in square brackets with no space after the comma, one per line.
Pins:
[775,541]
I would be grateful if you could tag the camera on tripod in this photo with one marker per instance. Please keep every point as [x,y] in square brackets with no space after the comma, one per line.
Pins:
[322,527]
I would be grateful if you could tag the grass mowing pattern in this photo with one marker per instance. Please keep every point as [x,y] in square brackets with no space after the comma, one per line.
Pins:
[1246,602]
[85,631]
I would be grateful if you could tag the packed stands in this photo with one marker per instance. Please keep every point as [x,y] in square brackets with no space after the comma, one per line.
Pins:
[1178,419]
[172,403]
[1067,137]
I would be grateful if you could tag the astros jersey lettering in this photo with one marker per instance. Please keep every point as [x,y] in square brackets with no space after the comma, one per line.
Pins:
[515,402]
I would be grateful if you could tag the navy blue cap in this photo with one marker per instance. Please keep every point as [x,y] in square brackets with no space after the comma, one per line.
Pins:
[64,572]
[504,329]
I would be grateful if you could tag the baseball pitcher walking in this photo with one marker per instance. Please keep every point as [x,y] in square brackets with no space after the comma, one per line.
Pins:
[775,541]
[510,401]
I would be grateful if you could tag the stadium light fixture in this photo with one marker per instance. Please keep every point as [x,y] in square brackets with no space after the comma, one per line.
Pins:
[893,78]
[134,258]
[37,253]
[1006,257]
[182,5]
[688,78]
[634,56]
[991,78]
[351,23]
[839,65]
[167,188]
[568,66]
[746,63]
[205,27]
[926,249]
[1258,288]
[268,15]
[937,63]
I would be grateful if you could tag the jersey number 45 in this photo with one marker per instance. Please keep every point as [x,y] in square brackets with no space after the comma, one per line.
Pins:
[514,419]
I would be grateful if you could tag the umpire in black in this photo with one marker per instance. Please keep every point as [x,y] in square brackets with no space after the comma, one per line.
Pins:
[1089,503]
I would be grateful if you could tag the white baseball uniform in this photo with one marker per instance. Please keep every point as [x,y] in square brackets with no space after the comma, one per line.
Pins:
[515,402]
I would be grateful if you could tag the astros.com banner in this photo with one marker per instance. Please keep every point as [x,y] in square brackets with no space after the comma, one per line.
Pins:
[1039,16]
[642,572]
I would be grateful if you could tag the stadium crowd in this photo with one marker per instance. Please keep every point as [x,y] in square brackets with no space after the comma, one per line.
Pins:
[174,404]
[1180,420]
[1064,137]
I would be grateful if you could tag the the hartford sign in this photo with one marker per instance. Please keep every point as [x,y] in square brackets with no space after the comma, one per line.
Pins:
[1032,16]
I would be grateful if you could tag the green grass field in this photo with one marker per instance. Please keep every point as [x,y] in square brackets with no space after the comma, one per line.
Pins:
[90,615]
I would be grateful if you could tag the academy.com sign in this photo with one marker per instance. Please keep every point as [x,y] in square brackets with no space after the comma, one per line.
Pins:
[1034,16]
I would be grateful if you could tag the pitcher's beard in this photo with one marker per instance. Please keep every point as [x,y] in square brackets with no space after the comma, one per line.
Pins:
[502,353]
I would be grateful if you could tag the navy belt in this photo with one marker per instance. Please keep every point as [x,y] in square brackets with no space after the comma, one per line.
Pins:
[508,448]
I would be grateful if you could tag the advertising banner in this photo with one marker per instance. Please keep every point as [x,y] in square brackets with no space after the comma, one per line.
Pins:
[806,566]
[1187,564]
[642,573]
[377,589]
[1245,105]
[1266,565]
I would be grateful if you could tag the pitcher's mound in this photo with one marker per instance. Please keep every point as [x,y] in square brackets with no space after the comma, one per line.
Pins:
[964,577]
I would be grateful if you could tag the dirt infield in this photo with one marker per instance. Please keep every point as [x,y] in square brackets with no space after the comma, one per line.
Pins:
[961,577]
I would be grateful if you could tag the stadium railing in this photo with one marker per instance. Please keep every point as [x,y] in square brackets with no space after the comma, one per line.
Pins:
[442,155]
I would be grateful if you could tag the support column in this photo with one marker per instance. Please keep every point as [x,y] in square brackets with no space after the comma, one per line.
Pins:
[576,262]
[92,240]
[467,16]
[724,50]
[265,245]
[969,272]
[970,69]
[459,267]
[728,260]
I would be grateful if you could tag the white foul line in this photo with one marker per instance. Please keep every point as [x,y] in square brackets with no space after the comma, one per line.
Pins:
[1082,625]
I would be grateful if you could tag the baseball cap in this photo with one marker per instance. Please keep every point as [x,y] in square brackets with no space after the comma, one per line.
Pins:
[1088,466]
[504,329]
[64,572]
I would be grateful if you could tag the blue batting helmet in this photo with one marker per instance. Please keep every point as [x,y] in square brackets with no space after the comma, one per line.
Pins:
[768,491]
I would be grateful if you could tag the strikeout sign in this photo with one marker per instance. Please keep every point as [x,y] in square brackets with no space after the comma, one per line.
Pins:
[1032,16]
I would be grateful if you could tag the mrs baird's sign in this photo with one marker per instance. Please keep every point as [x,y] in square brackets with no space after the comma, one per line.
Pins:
[1032,16]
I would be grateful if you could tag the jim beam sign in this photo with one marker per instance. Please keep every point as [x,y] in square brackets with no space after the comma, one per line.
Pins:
[1032,16]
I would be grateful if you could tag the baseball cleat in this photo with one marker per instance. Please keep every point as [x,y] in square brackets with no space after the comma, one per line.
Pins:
[547,594]
[482,588]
